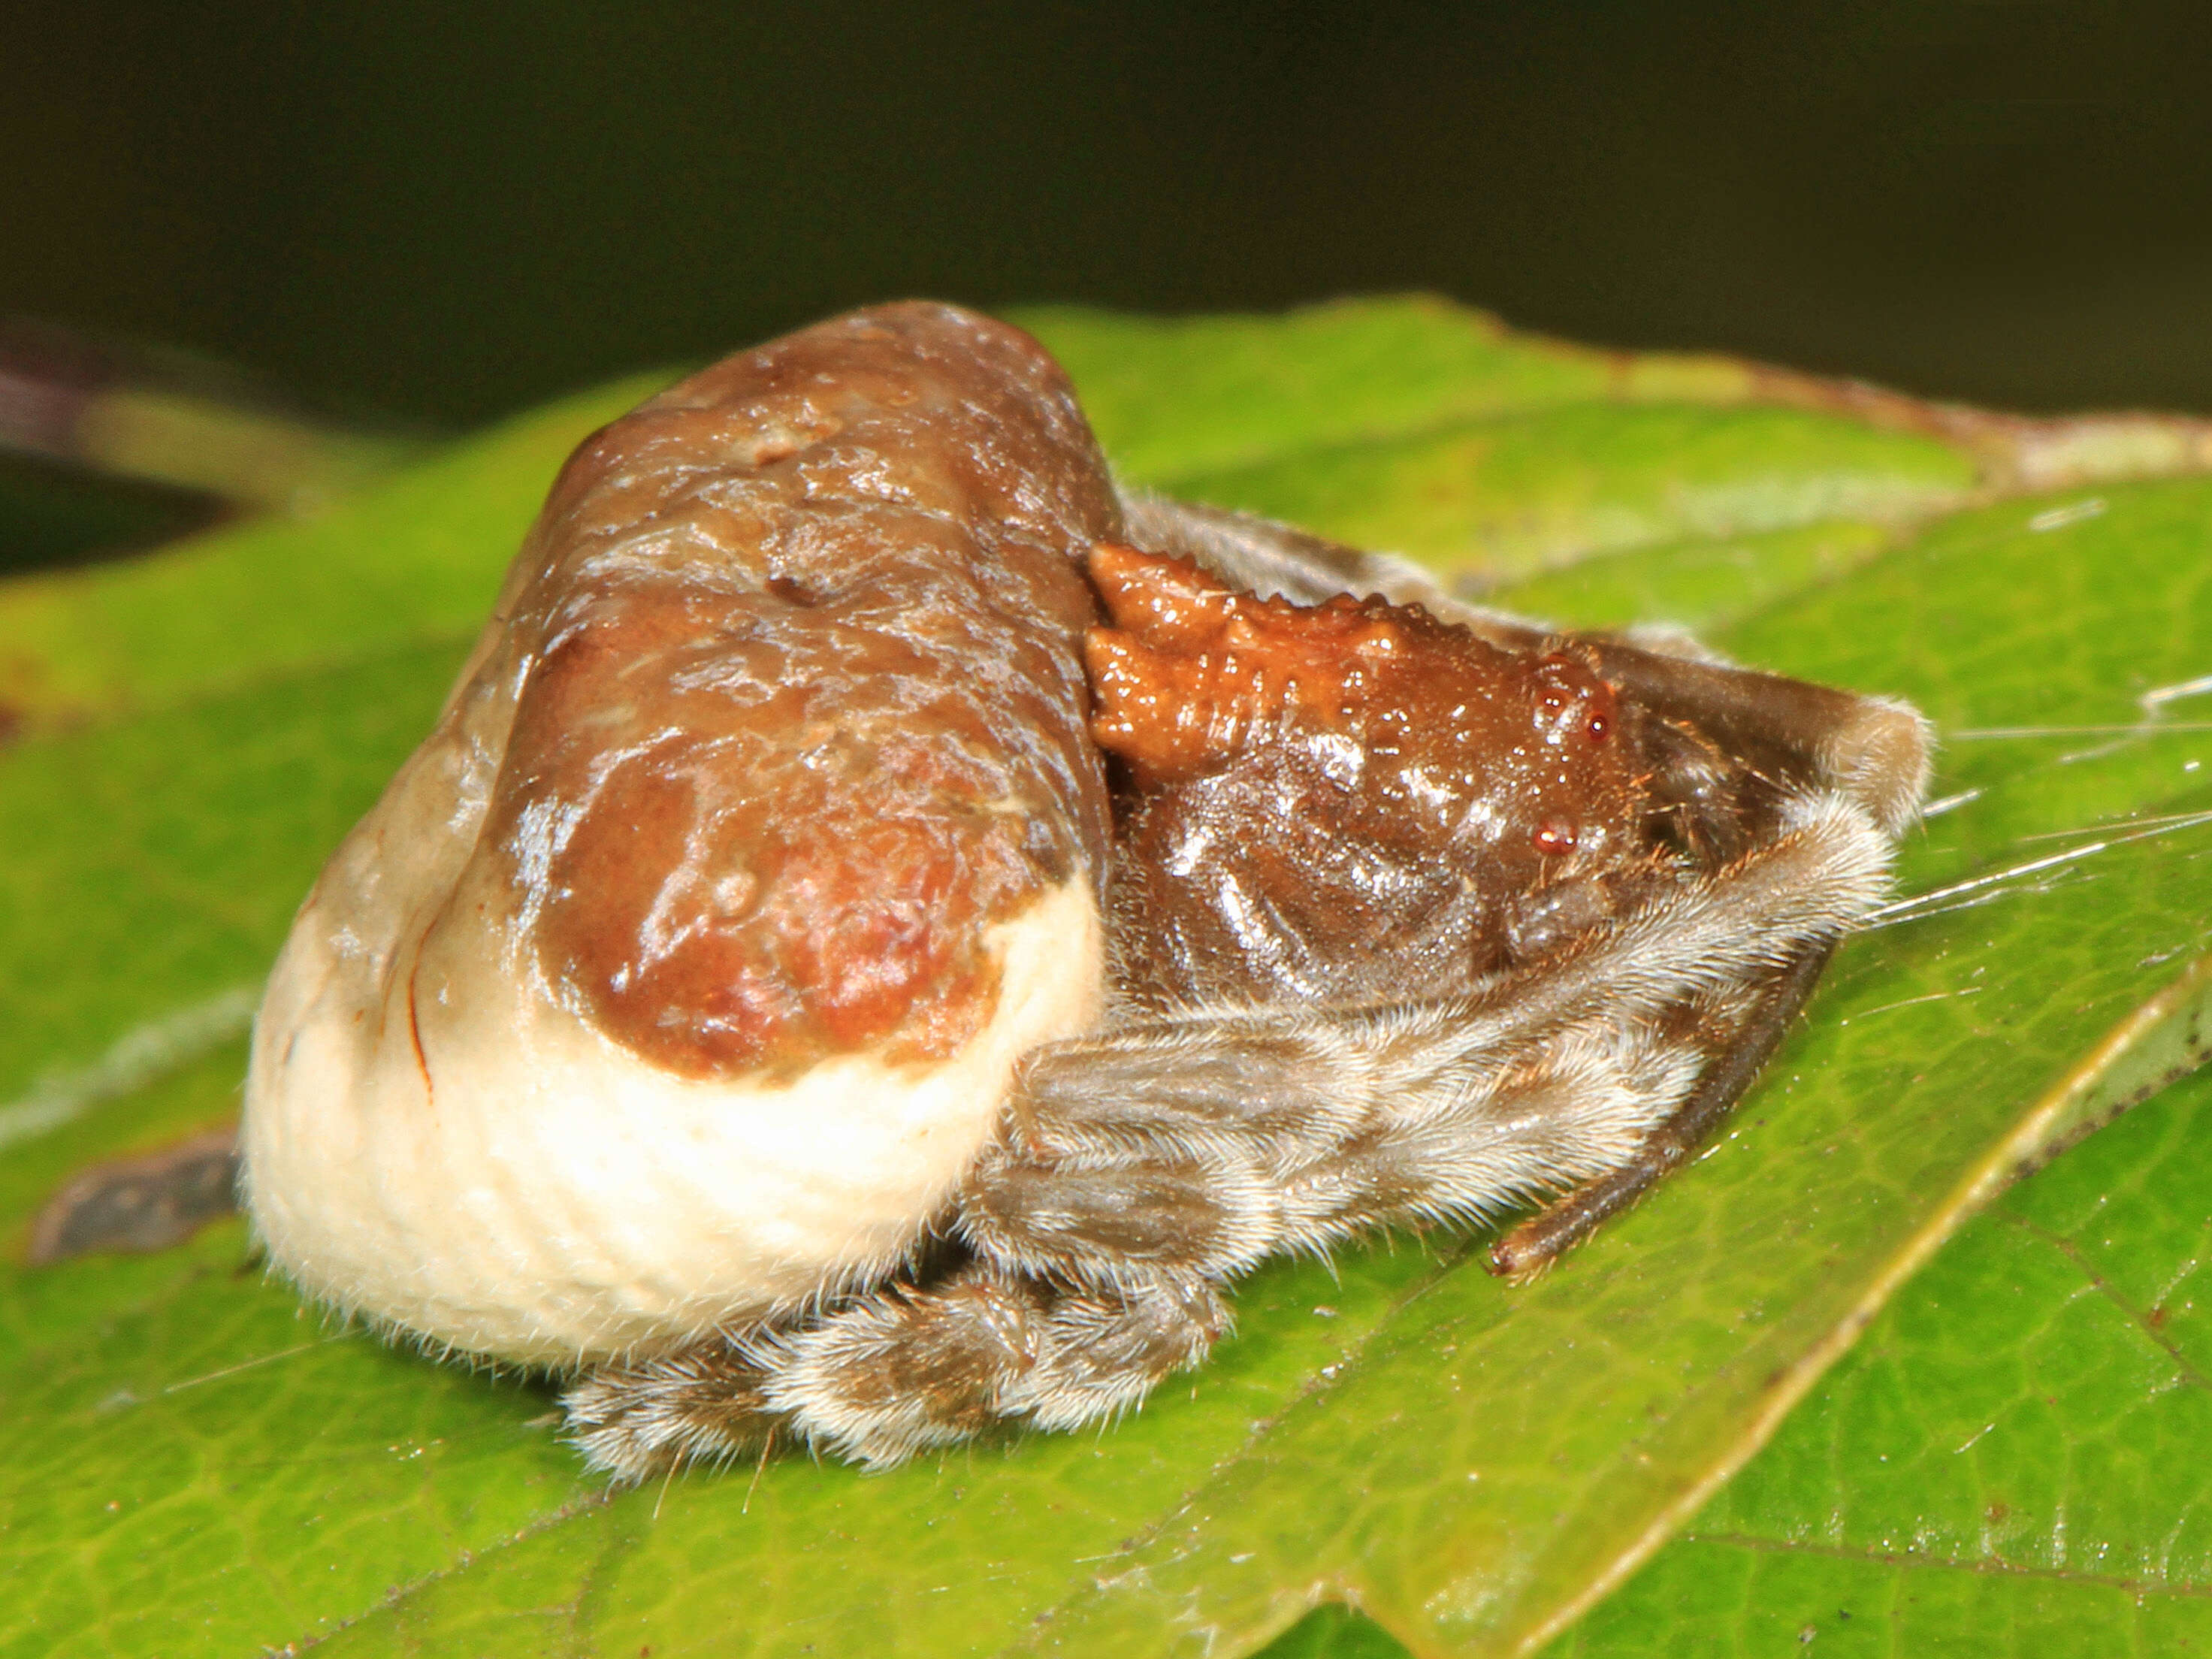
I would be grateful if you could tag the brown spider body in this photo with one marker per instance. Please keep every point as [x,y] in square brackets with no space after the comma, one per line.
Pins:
[1335,800]
[951,1057]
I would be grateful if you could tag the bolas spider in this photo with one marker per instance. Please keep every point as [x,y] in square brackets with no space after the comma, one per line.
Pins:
[887,928]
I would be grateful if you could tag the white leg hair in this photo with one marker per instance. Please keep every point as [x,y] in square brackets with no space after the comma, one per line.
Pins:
[1202,1143]
[899,1372]
[1142,1168]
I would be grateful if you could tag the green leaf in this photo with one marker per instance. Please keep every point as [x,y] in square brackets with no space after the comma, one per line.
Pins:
[2016,1447]
[195,1464]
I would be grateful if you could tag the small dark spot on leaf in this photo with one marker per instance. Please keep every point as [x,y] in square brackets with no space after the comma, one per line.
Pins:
[2157,1319]
[12,724]
[1997,1512]
[136,1206]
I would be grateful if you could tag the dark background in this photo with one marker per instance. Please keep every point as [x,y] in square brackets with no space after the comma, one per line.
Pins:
[440,212]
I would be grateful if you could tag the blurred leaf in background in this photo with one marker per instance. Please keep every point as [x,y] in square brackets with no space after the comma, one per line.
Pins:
[106,447]
[196,1464]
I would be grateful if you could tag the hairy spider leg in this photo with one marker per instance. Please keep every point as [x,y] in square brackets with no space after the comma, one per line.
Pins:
[1199,1144]
[1744,1049]
[707,1404]
[1870,753]
[900,1371]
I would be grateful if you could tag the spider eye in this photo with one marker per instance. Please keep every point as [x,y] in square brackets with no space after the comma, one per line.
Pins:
[1554,837]
[1598,728]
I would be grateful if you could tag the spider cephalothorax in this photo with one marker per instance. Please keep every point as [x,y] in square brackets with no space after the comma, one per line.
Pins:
[772,993]
[1343,799]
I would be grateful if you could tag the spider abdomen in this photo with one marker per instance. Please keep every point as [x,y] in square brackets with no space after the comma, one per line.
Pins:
[678,977]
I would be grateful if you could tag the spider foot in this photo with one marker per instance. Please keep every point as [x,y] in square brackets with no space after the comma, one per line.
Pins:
[1107,1349]
[707,1405]
[901,1370]
[905,1369]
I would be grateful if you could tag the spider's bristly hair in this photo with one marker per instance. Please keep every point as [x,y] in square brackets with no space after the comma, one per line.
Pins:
[1202,1145]
[706,1405]
[899,1373]
[1548,988]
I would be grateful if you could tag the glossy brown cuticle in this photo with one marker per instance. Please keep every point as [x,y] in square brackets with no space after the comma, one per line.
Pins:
[1354,782]
[807,716]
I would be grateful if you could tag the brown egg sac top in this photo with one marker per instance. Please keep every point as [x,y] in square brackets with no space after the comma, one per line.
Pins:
[804,712]
[1330,802]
